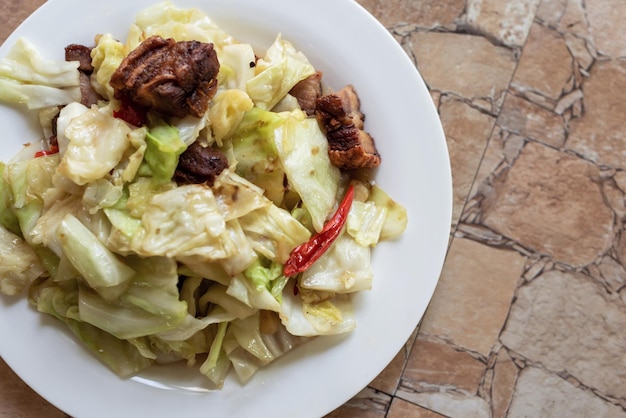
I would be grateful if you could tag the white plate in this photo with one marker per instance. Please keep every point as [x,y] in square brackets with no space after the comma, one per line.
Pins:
[349,46]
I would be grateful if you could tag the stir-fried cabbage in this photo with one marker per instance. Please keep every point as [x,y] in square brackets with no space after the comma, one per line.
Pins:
[106,56]
[27,78]
[303,152]
[169,21]
[97,142]
[144,270]
[19,264]
[282,67]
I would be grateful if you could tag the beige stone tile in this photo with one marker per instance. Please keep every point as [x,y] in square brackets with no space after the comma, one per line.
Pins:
[467,66]
[403,409]
[424,14]
[540,394]
[472,299]
[545,65]
[611,273]
[599,133]
[467,131]
[532,204]
[532,121]
[434,366]
[550,12]
[567,16]
[507,21]
[502,150]
[450,404]
[18,400]
[574,19]
[387,381]
[367,404]
[571,325]
[615,196]
[606,21]
[505,374]
[581,49]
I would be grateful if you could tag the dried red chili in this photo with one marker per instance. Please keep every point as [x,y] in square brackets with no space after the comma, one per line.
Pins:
[307,253]
[53,150]
[131,113]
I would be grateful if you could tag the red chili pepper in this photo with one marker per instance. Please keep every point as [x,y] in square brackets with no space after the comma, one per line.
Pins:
[307,253]
[130,112]
[53,150]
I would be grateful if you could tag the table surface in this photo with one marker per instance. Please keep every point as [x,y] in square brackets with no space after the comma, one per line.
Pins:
[529,314]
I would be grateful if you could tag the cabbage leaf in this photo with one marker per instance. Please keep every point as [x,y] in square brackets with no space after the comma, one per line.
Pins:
[282,67]
[189,24]
[27,78]
[149,305]
[19,264]
[97,143]
[344,268]
[303,152]
[106,56]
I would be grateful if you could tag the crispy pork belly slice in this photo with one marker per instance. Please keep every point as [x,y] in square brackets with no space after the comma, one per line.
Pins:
[88,96]
[350,147]
[82,54]
[200,164]
[173,78]
[307,92]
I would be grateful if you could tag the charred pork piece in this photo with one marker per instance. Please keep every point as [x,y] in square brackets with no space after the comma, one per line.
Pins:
[307,92]
[53,140]
[82,54]
[173,78]
[199,164]
[88,96]
[341,119]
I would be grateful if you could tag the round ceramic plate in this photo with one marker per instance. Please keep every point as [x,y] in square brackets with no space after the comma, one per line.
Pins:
[341,39]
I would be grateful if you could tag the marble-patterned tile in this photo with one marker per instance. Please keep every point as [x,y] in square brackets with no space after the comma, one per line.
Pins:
[606,22]
[467,130]
[435,366]
[550,12]
[502,150]
[368,403]
[452,404]
[402,409]
[545,66]
[572,326]
[598,134]
[531,203]
[541,394]
[464,65]
[472,299]
[506,21]
[504,377]
[532,121]
[426,14]
[610,272]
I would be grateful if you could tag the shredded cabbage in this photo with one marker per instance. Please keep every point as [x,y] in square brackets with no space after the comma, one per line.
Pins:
[144,270]
[282,67]
[27,78]
[106,56]
[97,142]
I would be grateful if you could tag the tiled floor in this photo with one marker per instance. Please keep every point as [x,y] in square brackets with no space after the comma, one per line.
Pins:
[529,316]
